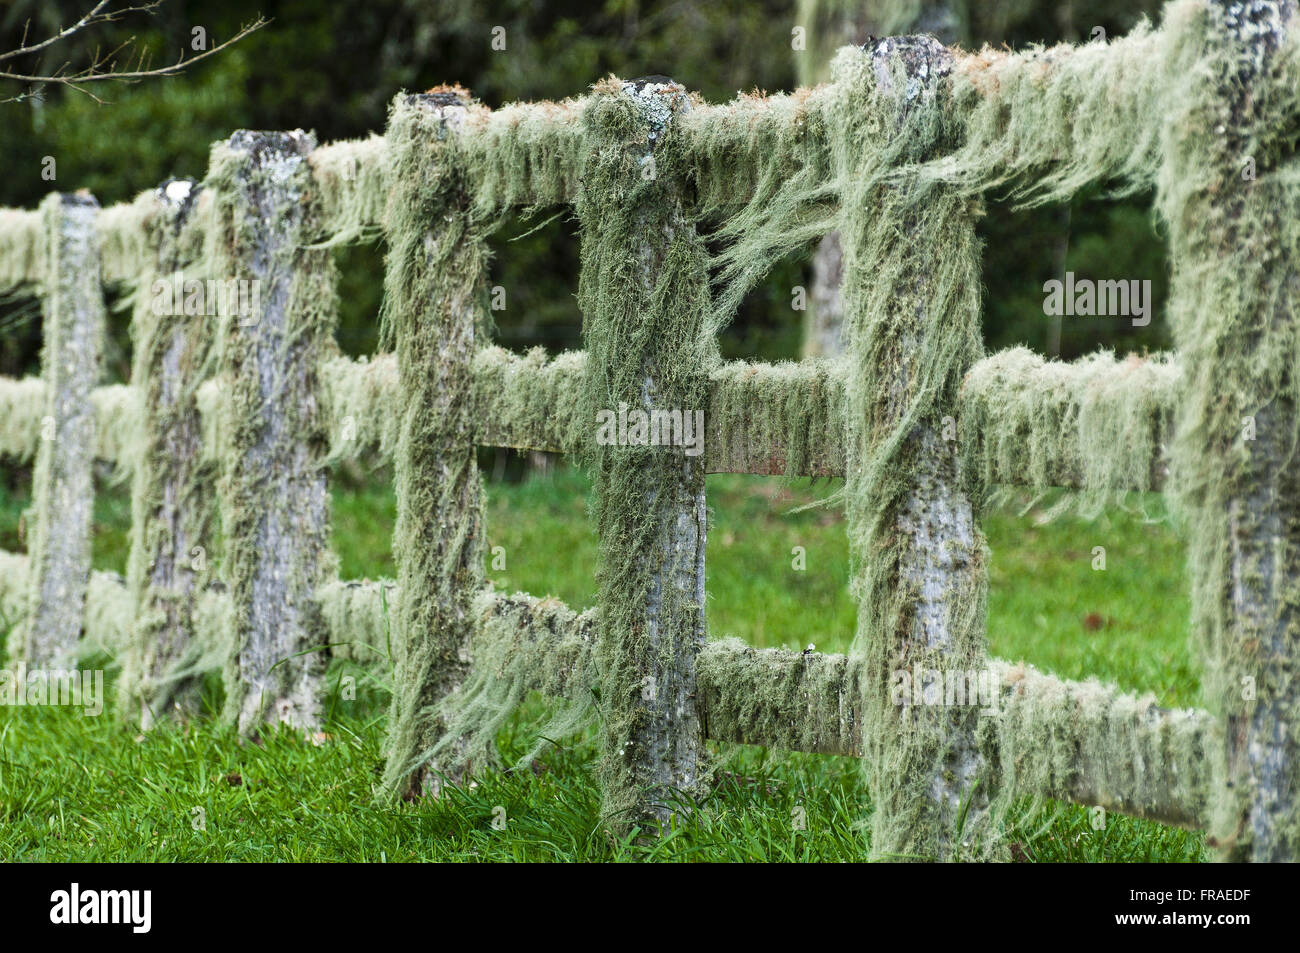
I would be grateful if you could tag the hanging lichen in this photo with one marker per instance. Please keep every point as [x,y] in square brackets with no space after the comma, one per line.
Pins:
[352,184]
[526,154]
[124,237]
[22,405]
[911,297]
[20,249]
[359,617]
[1045,123]
[523,644]
[362,402]
[781,418]
[1096,424]
[530,402]
[118,411]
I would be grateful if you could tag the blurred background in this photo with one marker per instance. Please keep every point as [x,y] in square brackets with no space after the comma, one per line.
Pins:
[332,66]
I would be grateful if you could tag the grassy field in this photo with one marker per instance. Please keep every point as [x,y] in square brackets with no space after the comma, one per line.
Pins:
[77,788]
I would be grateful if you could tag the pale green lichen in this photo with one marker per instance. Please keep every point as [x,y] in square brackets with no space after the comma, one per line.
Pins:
[119,411]
[1097,424]
[60,518]
[361,400]
[523,644]
[22,408]
[911,298]
[530,402]
[351,179]
[359,618]
[22,405]
[782,418]
[1044,123]
[792,701]
[1088,743]
[525,154]
[21,240]
[124,231]
[649,331]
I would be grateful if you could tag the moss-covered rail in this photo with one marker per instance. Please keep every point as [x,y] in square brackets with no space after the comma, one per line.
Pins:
[248,405]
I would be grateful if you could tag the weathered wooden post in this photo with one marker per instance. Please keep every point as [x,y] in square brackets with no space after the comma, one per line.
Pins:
[911,296]
[1228,192]
[63,491]
[276,324]
[171,502]
[645,298]
[433,286]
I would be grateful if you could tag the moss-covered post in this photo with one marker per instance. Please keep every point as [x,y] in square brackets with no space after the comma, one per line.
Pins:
[645,299]
[433,292]
[63,490]
[274,501]
[911,294]
[1229,192]
[172,491]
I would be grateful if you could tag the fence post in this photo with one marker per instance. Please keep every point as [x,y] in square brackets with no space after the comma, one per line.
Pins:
[171,500]
[434,283]
[276,325]
[1228,193]
[645,299]
[911,296]
[63,488]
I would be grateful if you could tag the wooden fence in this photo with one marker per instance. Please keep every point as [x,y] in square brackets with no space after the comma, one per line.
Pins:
[234,413]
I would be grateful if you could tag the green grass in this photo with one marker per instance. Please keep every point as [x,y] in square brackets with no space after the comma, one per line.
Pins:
[82,788]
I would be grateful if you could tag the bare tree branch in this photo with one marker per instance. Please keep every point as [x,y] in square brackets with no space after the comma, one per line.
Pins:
[103,67]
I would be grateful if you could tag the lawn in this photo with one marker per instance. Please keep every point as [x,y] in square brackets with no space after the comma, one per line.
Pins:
[82,788]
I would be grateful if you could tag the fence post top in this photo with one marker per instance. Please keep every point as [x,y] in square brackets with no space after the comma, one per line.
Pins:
[176,191]
[924,61]
[438,97]
[448,105]
[262,146]
[82,198]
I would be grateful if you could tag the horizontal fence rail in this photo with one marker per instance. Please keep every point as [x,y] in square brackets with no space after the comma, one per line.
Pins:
[1097,424]
[1056,737]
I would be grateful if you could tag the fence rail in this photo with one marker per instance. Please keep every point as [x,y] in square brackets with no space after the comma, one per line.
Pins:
[1098,423]
[238,418]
